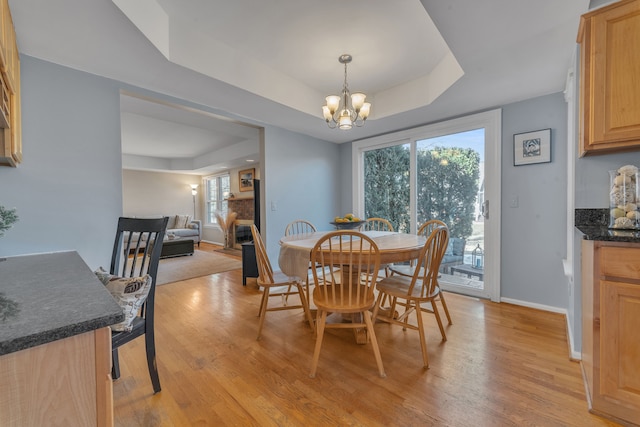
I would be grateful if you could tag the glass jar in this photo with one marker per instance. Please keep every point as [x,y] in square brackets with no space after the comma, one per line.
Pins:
[623,198]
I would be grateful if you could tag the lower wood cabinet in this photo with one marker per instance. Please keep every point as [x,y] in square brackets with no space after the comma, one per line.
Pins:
[611,328]
[62,383]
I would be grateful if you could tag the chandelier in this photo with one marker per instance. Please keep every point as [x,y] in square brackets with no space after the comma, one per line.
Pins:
[348,109]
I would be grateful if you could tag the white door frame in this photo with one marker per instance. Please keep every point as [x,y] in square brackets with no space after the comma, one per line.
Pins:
[491,121]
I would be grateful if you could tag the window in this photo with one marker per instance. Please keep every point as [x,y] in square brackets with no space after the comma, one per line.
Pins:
[217,190]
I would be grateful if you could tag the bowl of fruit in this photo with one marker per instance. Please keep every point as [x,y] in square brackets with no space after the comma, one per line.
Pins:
[347,222]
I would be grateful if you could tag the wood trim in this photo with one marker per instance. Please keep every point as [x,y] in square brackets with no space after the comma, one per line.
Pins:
[104,382]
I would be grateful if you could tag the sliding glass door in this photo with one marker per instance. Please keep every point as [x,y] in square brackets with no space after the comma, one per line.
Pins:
[450,187]
[439,172]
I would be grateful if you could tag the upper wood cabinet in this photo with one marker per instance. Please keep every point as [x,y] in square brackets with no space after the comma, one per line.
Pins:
[609,40]
[10,121]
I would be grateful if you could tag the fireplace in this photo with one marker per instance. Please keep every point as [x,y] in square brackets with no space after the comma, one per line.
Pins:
[241,232]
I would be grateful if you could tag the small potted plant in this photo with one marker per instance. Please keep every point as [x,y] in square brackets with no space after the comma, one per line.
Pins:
[8,217]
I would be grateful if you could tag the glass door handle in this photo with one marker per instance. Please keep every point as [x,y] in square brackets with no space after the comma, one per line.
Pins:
[485,209]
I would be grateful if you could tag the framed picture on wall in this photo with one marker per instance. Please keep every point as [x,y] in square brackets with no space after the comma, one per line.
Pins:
[245,179]
[532,147]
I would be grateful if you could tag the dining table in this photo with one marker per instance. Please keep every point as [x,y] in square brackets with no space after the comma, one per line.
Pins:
[295,254]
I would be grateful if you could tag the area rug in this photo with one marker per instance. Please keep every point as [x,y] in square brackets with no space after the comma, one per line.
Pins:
[201,263]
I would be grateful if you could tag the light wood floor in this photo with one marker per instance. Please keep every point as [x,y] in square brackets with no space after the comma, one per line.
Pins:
[502,365]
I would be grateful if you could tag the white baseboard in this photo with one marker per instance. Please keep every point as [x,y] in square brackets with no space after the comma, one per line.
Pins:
[573,355]
[213,243]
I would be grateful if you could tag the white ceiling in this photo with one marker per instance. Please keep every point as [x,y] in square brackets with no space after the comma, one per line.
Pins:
[273,62]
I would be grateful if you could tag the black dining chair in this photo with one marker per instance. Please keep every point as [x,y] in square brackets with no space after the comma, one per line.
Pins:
[136,252]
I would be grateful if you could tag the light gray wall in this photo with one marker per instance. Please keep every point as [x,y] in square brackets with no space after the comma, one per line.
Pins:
[156,193]
[592,177]
[346,196]
[534,233]
[68,190]
[301,180]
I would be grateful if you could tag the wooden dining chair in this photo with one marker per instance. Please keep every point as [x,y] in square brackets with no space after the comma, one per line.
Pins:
[275,284]
[355,259]
[407,270]
[413,292]
[129,259]
[377,224]
[425,230]
[299,226]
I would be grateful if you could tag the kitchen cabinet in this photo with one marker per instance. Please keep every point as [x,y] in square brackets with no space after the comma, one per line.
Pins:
[609,40]
[64,382]
[55,342]
[611,328]
[10,116]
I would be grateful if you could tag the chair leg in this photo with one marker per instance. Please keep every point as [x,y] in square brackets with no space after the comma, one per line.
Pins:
[261,301]
[438,319]
[320,322]
[423,338]
[374,343]
[305,305]
[115,364]
[150,345]
[446,310]
[263,310]
[376,307]
[407,312]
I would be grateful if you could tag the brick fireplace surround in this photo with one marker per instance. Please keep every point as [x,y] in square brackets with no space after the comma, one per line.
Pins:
[240,231]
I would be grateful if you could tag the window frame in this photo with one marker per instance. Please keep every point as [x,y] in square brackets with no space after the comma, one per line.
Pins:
[219,202]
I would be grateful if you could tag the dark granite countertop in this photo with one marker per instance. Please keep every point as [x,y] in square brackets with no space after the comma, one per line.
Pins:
[594,225]
[47,297]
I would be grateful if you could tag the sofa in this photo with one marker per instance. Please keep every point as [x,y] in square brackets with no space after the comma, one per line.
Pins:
[183,227]
[180,227]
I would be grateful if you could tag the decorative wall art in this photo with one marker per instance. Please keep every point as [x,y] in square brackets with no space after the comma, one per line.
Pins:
[532,147]
[245,179]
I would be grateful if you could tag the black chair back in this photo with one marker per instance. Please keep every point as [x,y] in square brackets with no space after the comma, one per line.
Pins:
[136,252]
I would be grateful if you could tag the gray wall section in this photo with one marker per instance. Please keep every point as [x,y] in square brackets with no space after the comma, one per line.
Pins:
[157,193]
[302,180]
[534,232]
[346,195]
[592,177]
[68,190]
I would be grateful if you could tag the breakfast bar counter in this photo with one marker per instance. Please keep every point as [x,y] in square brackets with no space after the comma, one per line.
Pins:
[55,342]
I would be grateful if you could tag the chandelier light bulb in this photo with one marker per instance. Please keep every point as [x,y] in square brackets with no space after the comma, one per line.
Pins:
[364,111]
[333,102]
[345,122]
[357,100]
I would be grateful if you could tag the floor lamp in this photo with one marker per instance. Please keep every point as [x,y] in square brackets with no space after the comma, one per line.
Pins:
[194,192]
